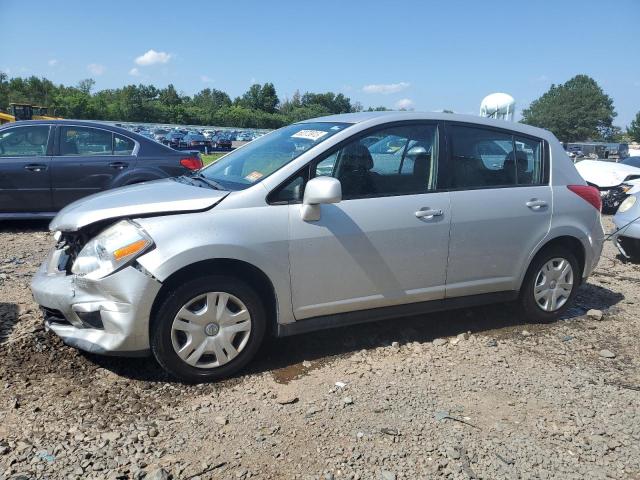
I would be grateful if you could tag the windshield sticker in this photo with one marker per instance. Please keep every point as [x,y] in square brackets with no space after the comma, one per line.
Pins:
[253,176]
[312,135]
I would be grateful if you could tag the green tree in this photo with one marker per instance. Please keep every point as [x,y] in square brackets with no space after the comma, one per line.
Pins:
[634,129]
[86,85]
[268,98]
[259,97]
[169,96]
[4,90]
[259,107]
[574,111]
[330,101]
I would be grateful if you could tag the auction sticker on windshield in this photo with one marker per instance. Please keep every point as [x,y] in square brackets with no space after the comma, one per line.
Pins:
[312,135]
[253,176]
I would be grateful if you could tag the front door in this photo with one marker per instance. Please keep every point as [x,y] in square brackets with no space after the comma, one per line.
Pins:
[386,242]
[501,206]
[25,184]
[88,161]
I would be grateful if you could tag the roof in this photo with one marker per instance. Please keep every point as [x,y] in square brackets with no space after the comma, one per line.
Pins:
[78,123]
[374,118]
[146,143]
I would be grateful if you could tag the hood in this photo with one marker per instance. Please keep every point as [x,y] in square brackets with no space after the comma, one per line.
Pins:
[142,199]
[605,174]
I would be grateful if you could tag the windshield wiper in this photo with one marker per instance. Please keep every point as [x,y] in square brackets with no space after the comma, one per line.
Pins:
[211,183]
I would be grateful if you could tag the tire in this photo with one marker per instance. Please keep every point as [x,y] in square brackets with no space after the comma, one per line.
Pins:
[534,308]
[193,328]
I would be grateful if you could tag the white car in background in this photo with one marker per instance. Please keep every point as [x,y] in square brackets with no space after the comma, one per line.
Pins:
[615,181]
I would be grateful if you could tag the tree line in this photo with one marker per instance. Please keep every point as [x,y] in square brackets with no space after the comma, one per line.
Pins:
[258,107]
[577,110]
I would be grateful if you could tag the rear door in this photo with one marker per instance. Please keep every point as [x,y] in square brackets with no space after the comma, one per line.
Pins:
[25,184]
[501,206]
[88,160]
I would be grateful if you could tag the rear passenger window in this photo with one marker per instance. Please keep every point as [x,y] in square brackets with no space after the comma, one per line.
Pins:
[480,158]
[85,141]
[487,158]
[122,145]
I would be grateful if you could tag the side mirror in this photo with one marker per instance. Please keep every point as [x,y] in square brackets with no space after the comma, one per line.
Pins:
[319,190]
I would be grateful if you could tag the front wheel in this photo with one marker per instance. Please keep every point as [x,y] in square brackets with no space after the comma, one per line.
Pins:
[550,284]
[208,328]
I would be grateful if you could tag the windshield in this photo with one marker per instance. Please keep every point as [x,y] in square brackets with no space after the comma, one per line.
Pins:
[252,163]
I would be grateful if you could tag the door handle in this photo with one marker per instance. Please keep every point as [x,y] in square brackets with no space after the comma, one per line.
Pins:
[36,167]
[535,204]
[119,165]
[426,212]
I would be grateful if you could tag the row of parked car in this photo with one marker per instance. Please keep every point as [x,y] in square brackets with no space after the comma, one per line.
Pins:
[202,139]
[597,150]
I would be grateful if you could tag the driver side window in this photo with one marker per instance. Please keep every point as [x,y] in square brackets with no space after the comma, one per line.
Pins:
[390,161]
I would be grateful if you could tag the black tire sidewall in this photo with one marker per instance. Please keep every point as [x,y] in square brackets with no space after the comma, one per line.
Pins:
[160,329]
[527,301]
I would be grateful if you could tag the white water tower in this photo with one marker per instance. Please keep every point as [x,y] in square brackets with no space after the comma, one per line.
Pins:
[498,105]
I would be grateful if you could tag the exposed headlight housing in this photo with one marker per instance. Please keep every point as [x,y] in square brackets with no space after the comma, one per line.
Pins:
[111,249]
[629,202]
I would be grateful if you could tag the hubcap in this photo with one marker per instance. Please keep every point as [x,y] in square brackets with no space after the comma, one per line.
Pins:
[553,285]
[211,330]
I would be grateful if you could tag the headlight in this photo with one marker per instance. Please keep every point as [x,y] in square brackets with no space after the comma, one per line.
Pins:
[111,249]
[629,202]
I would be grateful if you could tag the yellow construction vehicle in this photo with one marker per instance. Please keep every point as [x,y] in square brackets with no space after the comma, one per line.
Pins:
[6,118]
[25,111]
[42,113]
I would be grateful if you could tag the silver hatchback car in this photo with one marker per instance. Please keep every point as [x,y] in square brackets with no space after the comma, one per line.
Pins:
[323,223]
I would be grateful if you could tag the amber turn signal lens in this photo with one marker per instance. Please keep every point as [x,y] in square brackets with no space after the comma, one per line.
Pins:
[130,249]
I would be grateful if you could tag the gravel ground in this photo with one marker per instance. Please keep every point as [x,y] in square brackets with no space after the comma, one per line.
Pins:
[475,393]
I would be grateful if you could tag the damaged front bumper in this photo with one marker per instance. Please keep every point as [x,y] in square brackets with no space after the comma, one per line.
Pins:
[106,316]
[612,197]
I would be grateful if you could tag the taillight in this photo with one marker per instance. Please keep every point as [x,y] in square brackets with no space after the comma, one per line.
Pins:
[588,193]
[192,163]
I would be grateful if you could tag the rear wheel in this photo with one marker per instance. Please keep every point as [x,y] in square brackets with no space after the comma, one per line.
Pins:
[208,328]
[550,284]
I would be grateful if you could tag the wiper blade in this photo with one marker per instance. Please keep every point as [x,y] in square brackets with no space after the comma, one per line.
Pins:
[211,183]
